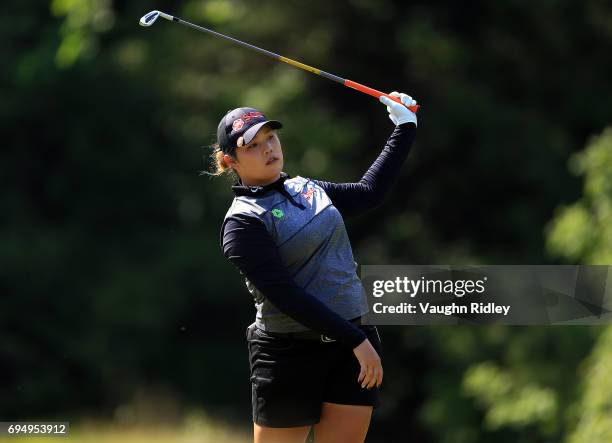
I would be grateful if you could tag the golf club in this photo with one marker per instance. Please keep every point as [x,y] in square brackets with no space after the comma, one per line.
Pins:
[151,17]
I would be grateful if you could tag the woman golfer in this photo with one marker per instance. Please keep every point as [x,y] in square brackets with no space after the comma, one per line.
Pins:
[312,362]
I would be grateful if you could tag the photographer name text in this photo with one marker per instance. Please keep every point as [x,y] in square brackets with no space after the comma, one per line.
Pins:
[414,287]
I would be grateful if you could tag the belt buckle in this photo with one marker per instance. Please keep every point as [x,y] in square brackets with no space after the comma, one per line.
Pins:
[326,339]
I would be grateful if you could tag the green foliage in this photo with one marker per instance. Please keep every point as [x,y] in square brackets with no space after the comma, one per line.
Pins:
[595,422]
[509,401]
[84,19]
[502,383]
[583,231]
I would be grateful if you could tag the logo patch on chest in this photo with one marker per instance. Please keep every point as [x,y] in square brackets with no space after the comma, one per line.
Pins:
[278,213]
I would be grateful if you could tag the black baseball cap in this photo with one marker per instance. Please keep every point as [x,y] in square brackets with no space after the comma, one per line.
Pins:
[239,126]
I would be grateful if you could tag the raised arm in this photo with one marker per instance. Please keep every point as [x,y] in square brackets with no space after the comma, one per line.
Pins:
[248,245]
[356,198]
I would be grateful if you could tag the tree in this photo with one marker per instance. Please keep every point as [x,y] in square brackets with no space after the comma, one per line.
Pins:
[582,232]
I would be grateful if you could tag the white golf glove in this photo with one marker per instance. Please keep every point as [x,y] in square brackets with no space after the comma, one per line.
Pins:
[397,113]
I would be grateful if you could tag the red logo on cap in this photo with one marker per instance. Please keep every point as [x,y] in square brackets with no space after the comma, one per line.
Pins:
[249,115]
[238,124]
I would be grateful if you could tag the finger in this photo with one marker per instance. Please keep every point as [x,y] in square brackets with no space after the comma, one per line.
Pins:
[376,378]
[395,94]
[406,99]
[379,377]
[372,380]
[364,379]
[395,107]
[391,104]
[362,374]
[368,377]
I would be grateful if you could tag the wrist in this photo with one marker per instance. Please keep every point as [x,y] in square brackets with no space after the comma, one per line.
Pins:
[407,119]
[356,345]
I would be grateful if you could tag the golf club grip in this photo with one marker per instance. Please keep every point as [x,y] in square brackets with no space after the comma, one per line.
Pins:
[376,93]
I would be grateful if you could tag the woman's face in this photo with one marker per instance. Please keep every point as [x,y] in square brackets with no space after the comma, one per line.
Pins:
[260,162]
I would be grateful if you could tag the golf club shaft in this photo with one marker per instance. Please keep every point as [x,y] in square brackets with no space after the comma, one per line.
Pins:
[345,82]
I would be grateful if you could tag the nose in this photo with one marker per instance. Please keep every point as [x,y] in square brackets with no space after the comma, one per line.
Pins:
[268,145]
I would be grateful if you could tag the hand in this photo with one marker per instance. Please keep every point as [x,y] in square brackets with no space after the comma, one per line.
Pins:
[397,113]
[371,373]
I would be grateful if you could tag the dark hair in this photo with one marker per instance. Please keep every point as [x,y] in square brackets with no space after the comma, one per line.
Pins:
[219,167]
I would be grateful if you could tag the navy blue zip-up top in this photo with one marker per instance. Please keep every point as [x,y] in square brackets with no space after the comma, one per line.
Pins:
[289,241]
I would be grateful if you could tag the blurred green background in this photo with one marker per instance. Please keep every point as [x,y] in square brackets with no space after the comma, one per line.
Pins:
[116,304]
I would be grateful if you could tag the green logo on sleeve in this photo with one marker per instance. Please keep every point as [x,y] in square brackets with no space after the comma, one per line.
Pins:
[278,213]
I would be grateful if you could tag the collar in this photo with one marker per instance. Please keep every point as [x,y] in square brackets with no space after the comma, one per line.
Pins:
[279,185]
[241,189]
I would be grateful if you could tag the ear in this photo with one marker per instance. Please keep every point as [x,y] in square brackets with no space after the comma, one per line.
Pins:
[229,160]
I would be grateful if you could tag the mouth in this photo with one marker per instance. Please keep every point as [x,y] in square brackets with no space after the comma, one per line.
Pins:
[272,160]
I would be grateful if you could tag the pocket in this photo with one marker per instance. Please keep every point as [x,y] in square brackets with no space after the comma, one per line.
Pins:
[270,342]
[249,329]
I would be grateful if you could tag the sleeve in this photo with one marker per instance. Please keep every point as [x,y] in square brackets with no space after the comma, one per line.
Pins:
[247,244]
[356,198]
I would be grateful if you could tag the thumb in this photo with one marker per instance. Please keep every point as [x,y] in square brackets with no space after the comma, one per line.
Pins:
[386,100]
[391,104]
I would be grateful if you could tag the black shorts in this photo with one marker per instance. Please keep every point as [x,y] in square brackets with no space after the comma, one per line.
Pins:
[290,377]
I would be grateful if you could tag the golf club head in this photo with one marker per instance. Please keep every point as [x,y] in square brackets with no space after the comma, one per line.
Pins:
[149,18]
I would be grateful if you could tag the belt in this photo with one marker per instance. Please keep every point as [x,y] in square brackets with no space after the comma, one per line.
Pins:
[310,335]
